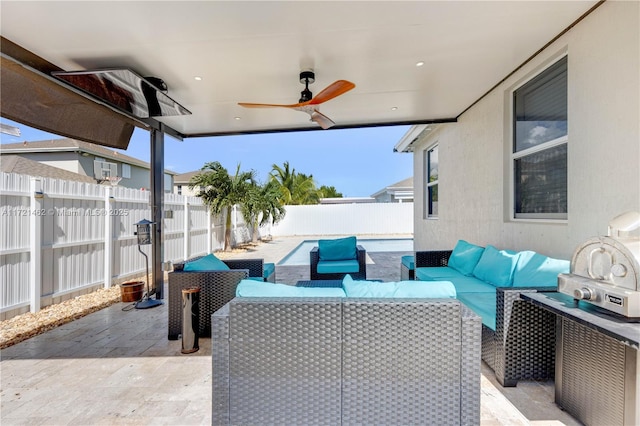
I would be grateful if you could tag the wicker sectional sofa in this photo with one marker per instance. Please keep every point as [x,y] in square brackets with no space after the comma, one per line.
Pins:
[216,289]
[316,360]
[518,338]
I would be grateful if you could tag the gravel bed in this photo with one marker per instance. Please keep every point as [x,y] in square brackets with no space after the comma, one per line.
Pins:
[22,327]
[25,326]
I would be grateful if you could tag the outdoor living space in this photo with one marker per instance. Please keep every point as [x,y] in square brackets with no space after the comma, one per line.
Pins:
[116,366]
[523,138]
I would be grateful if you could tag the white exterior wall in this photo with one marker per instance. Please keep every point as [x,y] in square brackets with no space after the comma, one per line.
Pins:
[475,186]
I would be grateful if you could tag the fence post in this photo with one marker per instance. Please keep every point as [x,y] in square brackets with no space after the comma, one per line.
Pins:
[209,231]
[186,229]
[108,240]
[35,244]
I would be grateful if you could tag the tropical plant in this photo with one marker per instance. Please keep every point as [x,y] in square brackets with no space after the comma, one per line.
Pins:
[329,192]
[220,191]
[296,188]
[262,204]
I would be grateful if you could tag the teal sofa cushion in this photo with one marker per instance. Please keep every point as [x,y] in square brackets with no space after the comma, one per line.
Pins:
[536,270]
[338,266]
[437,273]
[337,249]
[408,262]
[496,266]
[399,289]
[252,288]
[483,304]
[471,285]
[206,263]
[465,257]
[268,269]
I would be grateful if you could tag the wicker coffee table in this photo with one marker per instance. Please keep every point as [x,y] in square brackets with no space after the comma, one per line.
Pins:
[319,283]
[325,283]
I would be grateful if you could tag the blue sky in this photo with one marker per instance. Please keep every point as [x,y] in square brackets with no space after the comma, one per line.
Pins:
[358,162]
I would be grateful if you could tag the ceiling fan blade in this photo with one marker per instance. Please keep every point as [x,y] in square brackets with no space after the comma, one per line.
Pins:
[336,88]
[251,105]
[324,121]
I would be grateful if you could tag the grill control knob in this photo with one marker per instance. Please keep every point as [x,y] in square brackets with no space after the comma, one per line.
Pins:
[584,293]
[618,270]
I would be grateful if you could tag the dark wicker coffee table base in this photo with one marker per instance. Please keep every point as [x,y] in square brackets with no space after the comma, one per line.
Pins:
[319,283]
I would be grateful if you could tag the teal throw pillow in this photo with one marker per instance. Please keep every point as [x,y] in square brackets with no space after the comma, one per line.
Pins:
[206,263]
[496,267]
[337,249]
[465,257]
[536,270]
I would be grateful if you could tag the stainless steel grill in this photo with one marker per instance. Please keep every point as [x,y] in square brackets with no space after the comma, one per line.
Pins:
[605,271]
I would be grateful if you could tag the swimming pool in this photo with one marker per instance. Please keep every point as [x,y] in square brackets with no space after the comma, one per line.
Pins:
[300,254]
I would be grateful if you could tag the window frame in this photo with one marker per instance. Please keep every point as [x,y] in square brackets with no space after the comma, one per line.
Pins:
[428,202]
[514,155]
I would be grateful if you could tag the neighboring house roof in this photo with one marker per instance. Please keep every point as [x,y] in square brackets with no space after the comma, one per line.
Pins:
[24,166]
[184,178]
[398,187]
[73,145]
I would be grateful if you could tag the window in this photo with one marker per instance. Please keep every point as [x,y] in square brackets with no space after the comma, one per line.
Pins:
[179,189]
[126,171]
[540,141]
[431,182]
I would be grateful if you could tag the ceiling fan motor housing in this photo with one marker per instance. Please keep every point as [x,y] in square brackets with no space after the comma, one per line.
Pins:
[306,78]
[307,75]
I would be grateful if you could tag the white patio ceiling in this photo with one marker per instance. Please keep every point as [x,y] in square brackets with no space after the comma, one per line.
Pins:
[254,52]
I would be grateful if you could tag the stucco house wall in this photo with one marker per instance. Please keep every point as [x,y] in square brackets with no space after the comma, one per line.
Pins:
[475,180]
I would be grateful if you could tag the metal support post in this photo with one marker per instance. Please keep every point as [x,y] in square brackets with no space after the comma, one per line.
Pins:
[157,203]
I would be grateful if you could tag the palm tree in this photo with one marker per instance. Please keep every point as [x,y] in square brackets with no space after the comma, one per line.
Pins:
[221,191]
[304,190]
[263,204]
[296,188]
[283,176]
[329,192]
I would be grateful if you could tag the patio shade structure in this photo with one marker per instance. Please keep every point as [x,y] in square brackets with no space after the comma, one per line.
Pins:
[412,63]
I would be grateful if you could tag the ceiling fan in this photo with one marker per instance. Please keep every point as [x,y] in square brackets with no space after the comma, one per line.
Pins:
[308,103]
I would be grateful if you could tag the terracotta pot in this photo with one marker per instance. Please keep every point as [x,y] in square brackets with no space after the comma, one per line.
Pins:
[131,291]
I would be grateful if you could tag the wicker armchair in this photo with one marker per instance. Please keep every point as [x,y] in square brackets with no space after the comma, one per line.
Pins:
[314,258]
[307,361]
[216,289]
[523,343]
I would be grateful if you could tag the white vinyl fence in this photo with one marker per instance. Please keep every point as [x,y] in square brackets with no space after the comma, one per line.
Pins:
[60,238]
[346,219]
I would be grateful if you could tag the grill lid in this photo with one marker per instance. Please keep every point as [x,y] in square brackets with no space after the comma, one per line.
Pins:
[605,271]
[615,262]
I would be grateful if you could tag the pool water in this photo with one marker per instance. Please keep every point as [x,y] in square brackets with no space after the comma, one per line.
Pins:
[300,254]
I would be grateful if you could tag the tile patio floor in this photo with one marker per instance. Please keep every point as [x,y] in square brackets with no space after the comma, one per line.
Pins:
[116,367]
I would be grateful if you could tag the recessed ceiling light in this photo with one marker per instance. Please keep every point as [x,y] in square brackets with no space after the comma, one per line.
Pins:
[394,108]
[236,118]
[419,64]
[197,78]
